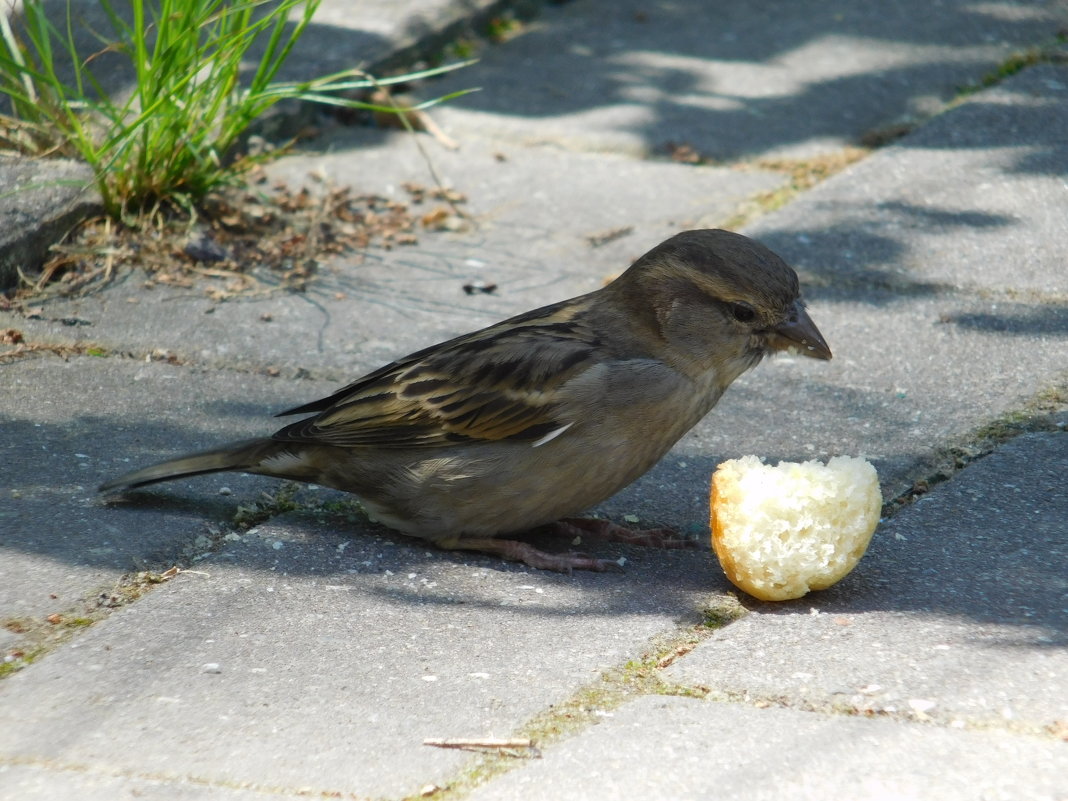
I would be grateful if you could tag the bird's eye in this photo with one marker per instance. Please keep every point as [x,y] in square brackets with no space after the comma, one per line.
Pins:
[743,312]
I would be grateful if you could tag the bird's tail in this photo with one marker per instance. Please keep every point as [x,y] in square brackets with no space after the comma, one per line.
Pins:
[241,456]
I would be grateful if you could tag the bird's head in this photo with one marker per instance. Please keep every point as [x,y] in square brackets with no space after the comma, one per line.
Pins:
[721,300]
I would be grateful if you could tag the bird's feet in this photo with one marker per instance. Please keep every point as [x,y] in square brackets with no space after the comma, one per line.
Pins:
[612,532]
[576,528]
[515,551]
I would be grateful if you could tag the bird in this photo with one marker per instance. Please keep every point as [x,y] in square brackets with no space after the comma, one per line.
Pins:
[536,419]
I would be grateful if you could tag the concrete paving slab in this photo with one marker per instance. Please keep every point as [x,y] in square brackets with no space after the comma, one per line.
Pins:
[732,81]
[41,200]
[974,199]
[68,425]
[533,215]
[957,613]
[301,656]
[525,194]
[681,748]
[51,782]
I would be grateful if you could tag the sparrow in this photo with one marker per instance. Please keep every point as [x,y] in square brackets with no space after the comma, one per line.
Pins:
[544,415]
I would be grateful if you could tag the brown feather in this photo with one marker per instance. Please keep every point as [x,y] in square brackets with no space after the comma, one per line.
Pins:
[500,383]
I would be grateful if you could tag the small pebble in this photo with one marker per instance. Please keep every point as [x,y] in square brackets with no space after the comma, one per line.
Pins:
[921,705]
[211,667]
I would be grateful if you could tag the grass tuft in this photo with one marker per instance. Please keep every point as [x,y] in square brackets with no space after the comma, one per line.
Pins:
[174,138]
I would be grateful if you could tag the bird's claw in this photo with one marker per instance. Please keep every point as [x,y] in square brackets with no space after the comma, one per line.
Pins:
[526,553]
[613,532]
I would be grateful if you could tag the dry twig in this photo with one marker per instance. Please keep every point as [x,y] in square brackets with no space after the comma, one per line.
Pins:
[509,746]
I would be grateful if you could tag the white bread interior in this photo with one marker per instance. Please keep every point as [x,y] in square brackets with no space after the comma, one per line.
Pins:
[784,530]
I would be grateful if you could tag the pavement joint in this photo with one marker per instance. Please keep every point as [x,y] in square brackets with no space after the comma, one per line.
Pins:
[61,349]
[918,712]
[174,781]
[592,703]
[1050,52]
[804,173]
[587,706]
[64,349]
[464,38]
[1035,416]
[39,636]
[614,687]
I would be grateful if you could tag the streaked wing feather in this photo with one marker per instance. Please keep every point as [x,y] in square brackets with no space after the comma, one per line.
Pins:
[496,384]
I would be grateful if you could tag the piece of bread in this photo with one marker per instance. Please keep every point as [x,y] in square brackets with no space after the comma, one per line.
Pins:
[782,531]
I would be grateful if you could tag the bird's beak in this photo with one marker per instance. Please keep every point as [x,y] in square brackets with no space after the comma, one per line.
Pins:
[799,333]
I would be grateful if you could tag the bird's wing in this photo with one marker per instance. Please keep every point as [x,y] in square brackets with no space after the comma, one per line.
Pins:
[499,383]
